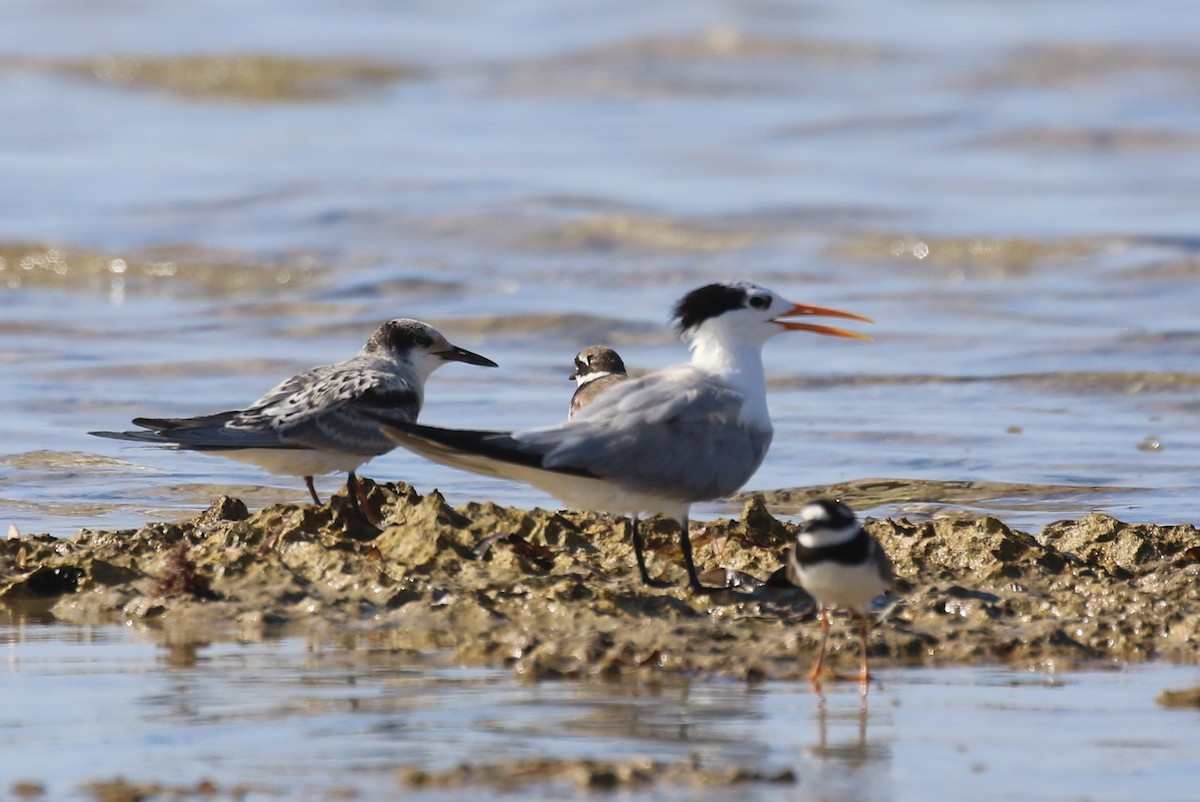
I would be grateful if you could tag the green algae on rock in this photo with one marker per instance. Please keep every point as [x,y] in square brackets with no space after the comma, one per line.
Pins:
[242,77]
[183,269]
[568,602]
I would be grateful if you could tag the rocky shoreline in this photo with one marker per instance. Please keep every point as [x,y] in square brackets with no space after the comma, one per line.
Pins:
[557,594]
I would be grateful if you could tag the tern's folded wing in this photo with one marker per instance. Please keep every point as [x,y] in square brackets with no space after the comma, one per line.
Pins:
[352,424]
[676,433]
[683,459]
[336,407]
[675,394]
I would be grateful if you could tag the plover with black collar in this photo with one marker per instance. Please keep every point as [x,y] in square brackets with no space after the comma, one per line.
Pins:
[596,369]
[840,565]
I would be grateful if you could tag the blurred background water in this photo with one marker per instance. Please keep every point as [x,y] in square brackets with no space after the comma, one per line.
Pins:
[200,199]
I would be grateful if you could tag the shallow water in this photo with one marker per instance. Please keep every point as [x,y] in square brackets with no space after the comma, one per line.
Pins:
[313,718]
[199,201]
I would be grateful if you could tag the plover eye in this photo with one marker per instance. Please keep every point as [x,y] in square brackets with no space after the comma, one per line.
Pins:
[760,301]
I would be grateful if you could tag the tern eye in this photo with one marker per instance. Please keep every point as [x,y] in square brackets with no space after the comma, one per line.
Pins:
[760,301]
[424,340]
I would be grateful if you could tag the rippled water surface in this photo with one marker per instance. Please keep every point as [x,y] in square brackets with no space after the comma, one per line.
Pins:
[336,719]
[201,200]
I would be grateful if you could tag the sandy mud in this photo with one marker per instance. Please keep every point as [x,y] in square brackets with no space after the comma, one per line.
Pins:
[557,594]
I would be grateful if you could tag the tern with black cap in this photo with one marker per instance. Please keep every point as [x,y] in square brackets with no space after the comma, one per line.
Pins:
[658,443]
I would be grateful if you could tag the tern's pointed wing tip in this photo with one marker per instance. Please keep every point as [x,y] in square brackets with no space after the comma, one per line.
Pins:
[134,435]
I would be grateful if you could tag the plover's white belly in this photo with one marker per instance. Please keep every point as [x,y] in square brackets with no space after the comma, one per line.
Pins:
[841,585]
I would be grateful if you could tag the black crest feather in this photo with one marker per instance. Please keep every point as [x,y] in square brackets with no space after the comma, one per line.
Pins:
[707,302]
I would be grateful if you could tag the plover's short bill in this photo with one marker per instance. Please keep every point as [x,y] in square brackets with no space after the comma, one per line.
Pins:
[596,369]
[840,565]
[325,419]
[658,443]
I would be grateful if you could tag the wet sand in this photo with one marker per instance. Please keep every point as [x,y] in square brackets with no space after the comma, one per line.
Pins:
[557,594]
[367,633]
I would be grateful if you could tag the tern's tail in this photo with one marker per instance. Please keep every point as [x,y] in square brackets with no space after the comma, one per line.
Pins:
[173,431]
[141,436]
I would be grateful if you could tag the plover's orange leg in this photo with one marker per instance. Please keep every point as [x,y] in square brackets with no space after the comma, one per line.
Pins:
[815,673]
[864,673]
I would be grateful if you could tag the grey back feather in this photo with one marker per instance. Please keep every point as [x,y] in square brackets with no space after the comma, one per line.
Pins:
[677,433]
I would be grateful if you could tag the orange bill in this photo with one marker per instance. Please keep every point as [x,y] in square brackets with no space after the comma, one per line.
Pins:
[804,310]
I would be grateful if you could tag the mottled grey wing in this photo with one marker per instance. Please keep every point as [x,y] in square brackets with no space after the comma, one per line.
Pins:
[336,408]
[306,386]
[676,432]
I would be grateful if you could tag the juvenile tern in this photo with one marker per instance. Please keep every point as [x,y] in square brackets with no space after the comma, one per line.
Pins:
[324,419]
[596,369]
[840,565]
[659,443]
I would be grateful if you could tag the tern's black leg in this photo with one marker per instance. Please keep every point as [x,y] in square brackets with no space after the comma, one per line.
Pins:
[685,544]
[358,500]
[639,551]
[312,490]
[639,546]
